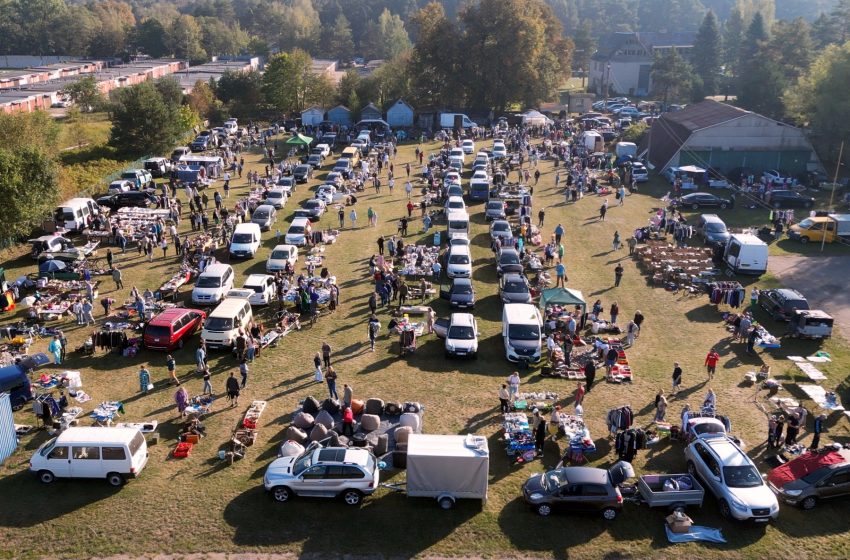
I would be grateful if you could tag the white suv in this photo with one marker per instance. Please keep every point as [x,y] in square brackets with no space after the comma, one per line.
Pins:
[324,472]
[732,477]
[462,336]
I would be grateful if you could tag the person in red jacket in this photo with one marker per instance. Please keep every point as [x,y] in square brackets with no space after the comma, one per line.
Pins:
[348,421]
[711,363]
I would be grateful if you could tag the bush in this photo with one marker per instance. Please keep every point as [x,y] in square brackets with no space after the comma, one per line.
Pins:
[635,132]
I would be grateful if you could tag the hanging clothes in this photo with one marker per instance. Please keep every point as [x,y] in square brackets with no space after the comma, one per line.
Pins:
[729,293]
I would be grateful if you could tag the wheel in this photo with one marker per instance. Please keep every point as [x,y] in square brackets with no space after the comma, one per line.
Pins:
[115,479]
[723,206]
[46,477]
[804,240]
[446,503]
[281,493]
[609,514]
[544,510]
[352,497]
[694,206]
[725,510]
[809,503]
[18,407]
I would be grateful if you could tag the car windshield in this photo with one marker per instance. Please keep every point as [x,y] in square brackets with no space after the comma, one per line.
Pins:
[303,462]
[459,259]
[242,238]
[311,204]
[495,206]
[457,225]
[218,324]
[815,476]
[296,229]
[509,258]
[807,223]
[709,428]
[262,214]
[257,288]
[157,330]
[302,169]
[742,477]
[715,227]
[501,226]
[553,480]
[48,447]
[524,332]
[461,333]
[280,254]
[453,204]
[515,287]
[208,282]
[462,289]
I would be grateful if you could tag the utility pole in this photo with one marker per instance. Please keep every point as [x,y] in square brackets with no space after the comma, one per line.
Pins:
[832,192]
[606,82]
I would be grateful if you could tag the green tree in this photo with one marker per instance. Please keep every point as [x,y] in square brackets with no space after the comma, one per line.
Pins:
[286,81]
[754,37]
[672,76]
[240,88]
[840,19]
[150,37]
[706,56]
[28,185]
[144,121]
[37,130]
[301,26]
[437,80]
[258,47]
[635,132]
[823,32]
[585,46]
[85,94]
[340,40]
[349,83]
[762,85]
[791,47]
[184,40]
[115,20]
[733,35]
[819,97]
[218,38]
[201,99]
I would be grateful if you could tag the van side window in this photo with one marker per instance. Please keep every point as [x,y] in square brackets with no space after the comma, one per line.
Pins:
[59,452]
[136,443]
[114,454]
[734,250]
[86,452]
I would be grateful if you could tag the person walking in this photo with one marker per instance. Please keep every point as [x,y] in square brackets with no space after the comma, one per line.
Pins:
[381,245]
[559,232]
[580,392]
[541,215]
[615,244]
[117,277]
[589,375]
[372,328]
[341,215]
[243,371]
[317,362]
[677,377]
[207,384]
[171,365]
[711,363]
[618,274]
[778,428]
[504,399]
[631,333]
[793,429]
[330,379]
[326,354]
[347,422]
[603,210]
[347,394]
[231,386]
[55,348]
[201,357]
[145,384]
[87,312]
[615,311]
[660,406]
[539,432]
[820,427]
[352,217]
[632,243]
[560,275]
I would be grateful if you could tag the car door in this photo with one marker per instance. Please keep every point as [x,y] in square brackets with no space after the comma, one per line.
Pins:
[312,482]
[837,484]
[85,461]
[270,289]
[59,461]
[570,498]
[594,496]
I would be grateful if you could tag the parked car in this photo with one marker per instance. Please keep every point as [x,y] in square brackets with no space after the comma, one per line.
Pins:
[698,200]
[133,199]
[171,328]
[281,254]
[158,166]
[334,178]
[287,184]
[501,228]
[322,149]
[459,262]
[263,289]
[264,216]
[454,190]
[499,151]
[639,172]
[302,173]
[330,472]
[343,167]
[712,229]
[790,199]
[468,146]
[812,477]
[508,261]
[514,288]
[121,185]
[462,336]
[775,176]
[732,477]
[461,293]
[495,210]
[277,198]
[782,303]
[578,489]
[200,143]
[314,207]
[314,161]
[455,203]
[326,193]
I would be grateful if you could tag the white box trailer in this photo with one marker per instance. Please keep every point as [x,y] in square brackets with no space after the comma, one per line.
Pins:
[448,467]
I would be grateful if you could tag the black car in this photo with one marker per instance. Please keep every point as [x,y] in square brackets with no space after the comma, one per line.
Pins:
[200,143]
[508,261]
[578,489]
[132,199]
[790,199]
[314,161]
[782,303]
[460,293]
[514,288]
[302,173]
[699,200]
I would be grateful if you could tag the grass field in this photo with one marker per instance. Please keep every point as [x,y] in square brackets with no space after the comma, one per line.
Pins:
[201,505]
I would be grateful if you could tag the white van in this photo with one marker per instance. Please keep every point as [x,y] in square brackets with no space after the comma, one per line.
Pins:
[222,325]
[114,454]
[231,126]
[522,332]
[746,254]
[458,223]
[76,214]
[212,284]
[245,241]
[298,232]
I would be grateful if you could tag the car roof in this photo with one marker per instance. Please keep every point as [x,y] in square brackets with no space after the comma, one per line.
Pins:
[459,249]
[789,293]
[513,277]
[507,251]
[342,455]
[462,281]
[169,315]
[462,319]
[256,279]
[266,207]
[91,434]
[729,454]
[711,218]
[585,475]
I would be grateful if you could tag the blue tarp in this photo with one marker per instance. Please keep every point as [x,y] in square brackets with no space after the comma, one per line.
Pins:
[695,533]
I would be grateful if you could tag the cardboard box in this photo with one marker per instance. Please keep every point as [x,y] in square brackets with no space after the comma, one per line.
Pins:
[679,522]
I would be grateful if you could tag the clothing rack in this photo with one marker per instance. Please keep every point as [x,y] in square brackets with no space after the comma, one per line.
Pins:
[732,294]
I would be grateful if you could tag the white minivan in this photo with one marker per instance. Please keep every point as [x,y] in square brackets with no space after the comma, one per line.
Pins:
[522,332]
[76,214]
[222,325]
[114,454]
[245,241]
[212,284]
[457,223]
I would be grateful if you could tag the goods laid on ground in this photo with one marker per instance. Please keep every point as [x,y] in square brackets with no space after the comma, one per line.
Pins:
[245,434]
[669,265]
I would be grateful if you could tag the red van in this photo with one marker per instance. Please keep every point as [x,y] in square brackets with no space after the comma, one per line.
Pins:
[169,329]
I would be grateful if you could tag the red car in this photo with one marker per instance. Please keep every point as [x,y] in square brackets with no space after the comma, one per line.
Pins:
[169,329]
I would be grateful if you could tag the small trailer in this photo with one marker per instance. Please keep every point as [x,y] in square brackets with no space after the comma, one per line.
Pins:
[673,491]
[447,468]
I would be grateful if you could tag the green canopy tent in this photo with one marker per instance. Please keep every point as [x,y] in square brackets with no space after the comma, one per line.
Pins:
[299,140]
[562,296]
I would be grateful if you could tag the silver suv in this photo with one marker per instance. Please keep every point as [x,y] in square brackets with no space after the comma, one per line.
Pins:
[329,472]
[732,477]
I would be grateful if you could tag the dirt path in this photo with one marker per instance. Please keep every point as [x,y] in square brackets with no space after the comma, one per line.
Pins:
[823,280]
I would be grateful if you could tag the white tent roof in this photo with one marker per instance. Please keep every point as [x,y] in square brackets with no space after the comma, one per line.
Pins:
[535,117]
